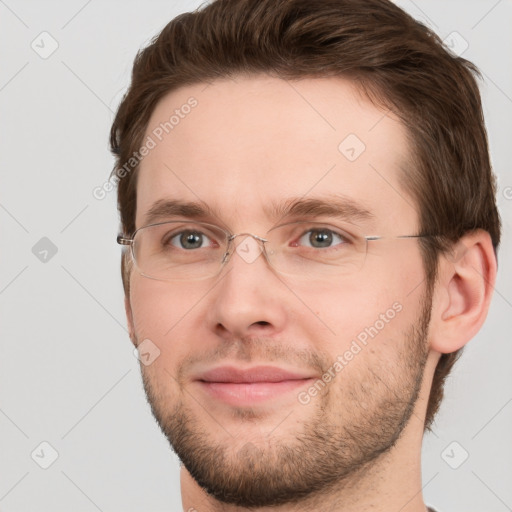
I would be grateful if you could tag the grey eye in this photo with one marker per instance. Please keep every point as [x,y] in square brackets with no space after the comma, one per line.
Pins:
[321,238]
[190,240]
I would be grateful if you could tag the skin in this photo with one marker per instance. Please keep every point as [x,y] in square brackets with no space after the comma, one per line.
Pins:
[356,445]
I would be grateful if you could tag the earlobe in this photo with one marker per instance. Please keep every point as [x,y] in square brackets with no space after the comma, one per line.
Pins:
[463,292]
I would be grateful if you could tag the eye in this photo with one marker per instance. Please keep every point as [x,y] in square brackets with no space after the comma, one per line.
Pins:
[322,238]
[189,239]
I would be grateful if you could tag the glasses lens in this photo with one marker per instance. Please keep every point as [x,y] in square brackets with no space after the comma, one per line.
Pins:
[315,249]
[179,250]
[187,250]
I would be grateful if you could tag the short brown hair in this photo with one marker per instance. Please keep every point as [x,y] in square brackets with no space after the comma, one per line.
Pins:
[399,63]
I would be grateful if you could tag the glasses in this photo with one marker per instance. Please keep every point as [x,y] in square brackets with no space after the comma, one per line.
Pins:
[188,250]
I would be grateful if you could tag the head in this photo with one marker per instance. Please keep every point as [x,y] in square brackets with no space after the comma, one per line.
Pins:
[369,69]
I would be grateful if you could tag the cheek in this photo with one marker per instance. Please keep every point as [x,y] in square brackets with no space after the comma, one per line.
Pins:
[162,312]
[159,308]
[373,309]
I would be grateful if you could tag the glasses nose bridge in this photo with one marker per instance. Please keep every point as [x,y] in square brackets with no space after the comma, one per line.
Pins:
[261,241]
[256,237]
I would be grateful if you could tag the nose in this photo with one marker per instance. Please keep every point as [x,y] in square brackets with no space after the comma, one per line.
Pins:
[249,299]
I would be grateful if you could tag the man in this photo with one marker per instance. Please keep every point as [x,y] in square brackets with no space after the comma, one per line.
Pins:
[309,214]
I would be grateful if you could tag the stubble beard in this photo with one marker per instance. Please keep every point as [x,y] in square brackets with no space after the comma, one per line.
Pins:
[340,440]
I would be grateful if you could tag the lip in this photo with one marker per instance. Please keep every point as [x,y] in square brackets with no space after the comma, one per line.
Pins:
[230,374]
[245,387]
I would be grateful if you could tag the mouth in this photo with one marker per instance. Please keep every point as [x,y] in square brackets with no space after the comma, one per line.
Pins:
[251,386]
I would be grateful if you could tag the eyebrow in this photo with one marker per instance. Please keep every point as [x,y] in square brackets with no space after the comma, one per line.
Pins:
[335,206]
[165,208]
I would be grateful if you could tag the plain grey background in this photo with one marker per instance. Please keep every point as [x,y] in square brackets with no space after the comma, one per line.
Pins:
[68,376]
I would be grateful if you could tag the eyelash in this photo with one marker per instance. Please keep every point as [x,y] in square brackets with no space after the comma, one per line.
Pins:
[343,237]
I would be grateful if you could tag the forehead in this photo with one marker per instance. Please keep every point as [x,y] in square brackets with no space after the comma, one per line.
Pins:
[237,145]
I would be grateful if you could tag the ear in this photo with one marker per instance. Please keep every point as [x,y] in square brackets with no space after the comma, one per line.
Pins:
[463,292]
[129,319]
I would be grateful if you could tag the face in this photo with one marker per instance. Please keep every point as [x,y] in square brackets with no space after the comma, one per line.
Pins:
[272,387]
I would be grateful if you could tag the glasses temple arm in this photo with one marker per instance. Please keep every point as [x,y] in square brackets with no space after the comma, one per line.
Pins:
[122,240]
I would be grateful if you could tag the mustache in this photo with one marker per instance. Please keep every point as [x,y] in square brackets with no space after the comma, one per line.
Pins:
[261,350]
